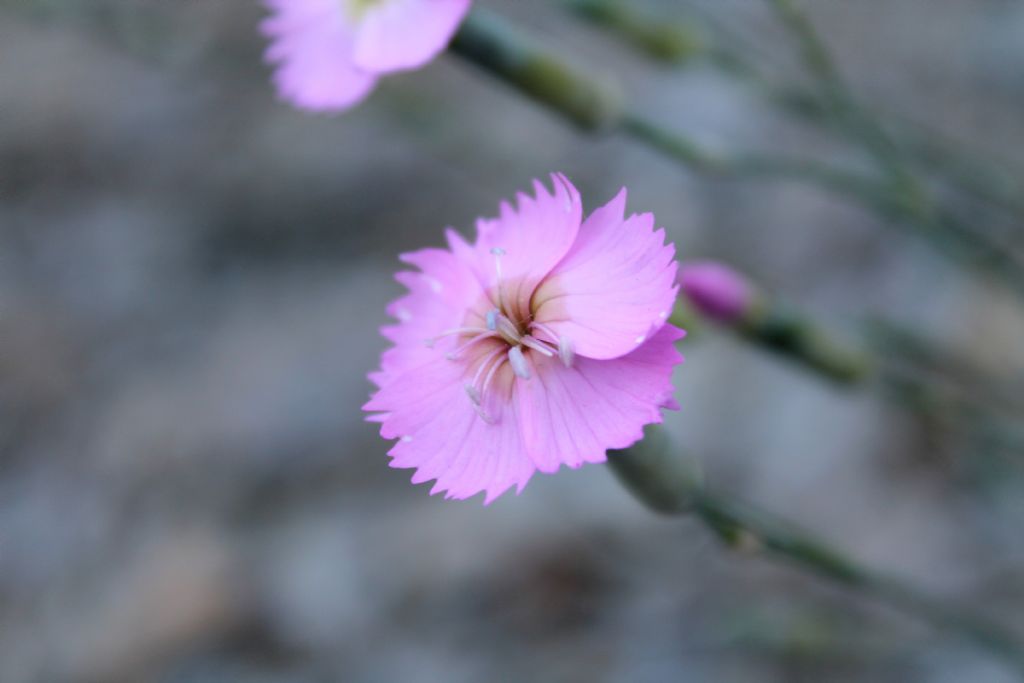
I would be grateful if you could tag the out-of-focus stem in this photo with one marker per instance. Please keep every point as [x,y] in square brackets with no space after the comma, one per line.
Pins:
[497,47]
[927,149]
[840,99]
[782,330]
[668,41]
[898,358]
[657,475]
[862,126]
[490,43]
[903,366]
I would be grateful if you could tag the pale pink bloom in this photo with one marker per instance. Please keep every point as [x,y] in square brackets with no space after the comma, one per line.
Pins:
[329,53]
[543,343]
[716,290]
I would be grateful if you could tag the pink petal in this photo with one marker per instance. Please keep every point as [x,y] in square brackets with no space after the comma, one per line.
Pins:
[406,34]
[440,297]
[614,288]
[533,238]
[311,45]
[443,438]
[574,415]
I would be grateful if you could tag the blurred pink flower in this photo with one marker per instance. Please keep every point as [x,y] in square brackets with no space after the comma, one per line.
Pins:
[329,53]
[543,343]
[716,290]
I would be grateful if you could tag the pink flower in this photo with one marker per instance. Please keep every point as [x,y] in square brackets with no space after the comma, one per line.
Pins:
[329,53]
[542,344]
[716,290]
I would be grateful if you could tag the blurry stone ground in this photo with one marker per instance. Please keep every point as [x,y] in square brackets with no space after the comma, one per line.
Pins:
[191,280]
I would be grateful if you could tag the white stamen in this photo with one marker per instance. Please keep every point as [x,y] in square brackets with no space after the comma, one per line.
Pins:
[476,395]
[492,319]
[498,253]
[518,362]
[474,400]
[537,345]
[500,351]
[552,337]
[452,355]
[490,375]
[566,351]
[458,330]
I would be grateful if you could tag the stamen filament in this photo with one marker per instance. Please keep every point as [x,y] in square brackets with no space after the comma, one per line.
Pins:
[458,330]
[484,363]
[537,345]
[546,330]
[498,253]
[474,400]
[490,374]
[452,355]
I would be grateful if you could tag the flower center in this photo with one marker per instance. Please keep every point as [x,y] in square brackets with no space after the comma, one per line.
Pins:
[516,340]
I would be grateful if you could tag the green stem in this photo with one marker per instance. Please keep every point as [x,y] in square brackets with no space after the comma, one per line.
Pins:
[491,44]
[731,520]
[840,99]
[906,367]
[664,481]
[673,42]
[783,331]
[497,47]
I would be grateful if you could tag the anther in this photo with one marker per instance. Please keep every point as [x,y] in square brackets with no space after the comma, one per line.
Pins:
[474,400]
[492,319]
[566,351]
[518,362]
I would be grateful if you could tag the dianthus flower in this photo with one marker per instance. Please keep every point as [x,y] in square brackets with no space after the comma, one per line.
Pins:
[543,343]
[329,53]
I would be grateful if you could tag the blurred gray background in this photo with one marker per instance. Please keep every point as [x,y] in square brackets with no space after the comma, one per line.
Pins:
[192,276]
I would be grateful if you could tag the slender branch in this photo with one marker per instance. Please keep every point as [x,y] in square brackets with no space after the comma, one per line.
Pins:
[667,41]
[490,43]
[861,125]
[665,481]
[784,331]
[929,150]
[907,368]
[832,103]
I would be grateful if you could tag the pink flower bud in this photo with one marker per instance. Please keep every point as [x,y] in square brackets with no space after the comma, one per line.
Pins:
[716,290]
